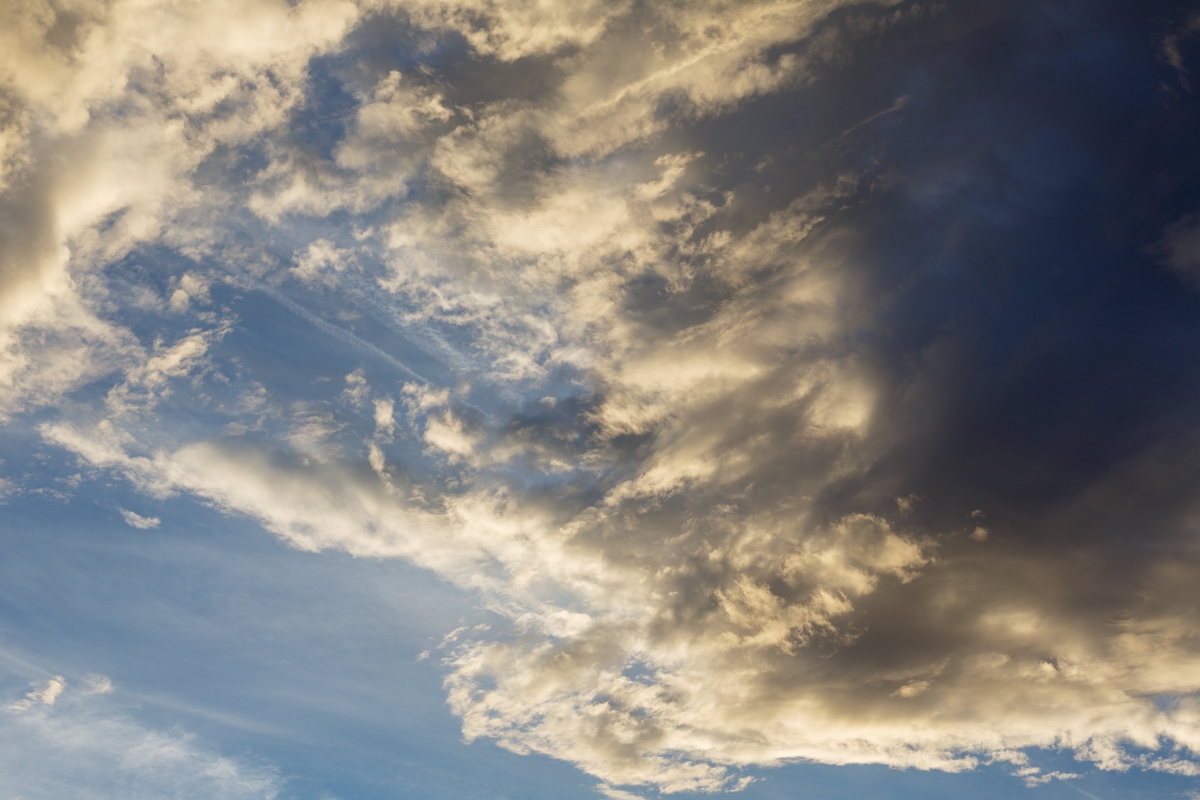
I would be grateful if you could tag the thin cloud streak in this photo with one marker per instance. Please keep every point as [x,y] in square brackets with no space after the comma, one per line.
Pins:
[339,333]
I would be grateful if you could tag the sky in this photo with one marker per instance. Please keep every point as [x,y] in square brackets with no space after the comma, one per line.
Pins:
[534,399]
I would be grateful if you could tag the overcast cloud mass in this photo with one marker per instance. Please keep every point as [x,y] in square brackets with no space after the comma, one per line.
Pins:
[789,381]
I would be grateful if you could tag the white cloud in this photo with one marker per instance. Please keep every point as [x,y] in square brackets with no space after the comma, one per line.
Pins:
[45,695]
[699,607]
[311,431]
[321,262]
[385,422]
[190,287]
[616,794]
[98,684]
[82,748]
[392,134]
[741,608]
[357,389]
[712,54]
[1033,778]
[55,346]
[149,375]
[781,593]
[135,520]
[129,107]
[512,30]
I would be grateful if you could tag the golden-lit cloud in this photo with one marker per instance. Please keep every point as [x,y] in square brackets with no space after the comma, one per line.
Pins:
[711,552]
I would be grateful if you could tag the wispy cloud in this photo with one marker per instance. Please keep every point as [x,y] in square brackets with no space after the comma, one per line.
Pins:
[44,695]
[84,744]
[135,520]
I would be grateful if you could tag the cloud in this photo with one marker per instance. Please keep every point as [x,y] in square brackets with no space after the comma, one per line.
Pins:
[385,422]
[1171,52]
[149,375]
[616,794]
[1180,246]
[191,287]
[513,30]
[706,56]
[311,431]
[45,695]
[766,330]
[138,521]
[393,132]
[357,389]
[725,599]
[81,747]
[321,257]
[126,108]
[98,684]
[1033,776]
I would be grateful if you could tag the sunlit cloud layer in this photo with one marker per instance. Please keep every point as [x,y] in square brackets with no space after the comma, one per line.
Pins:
[800,380]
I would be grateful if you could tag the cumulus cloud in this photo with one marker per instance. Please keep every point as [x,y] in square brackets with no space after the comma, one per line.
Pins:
[191,287]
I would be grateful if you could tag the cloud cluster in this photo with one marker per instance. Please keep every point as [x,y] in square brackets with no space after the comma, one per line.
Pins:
[111,109]
[709,413]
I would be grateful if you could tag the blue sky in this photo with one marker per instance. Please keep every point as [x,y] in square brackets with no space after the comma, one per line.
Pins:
[451,398]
